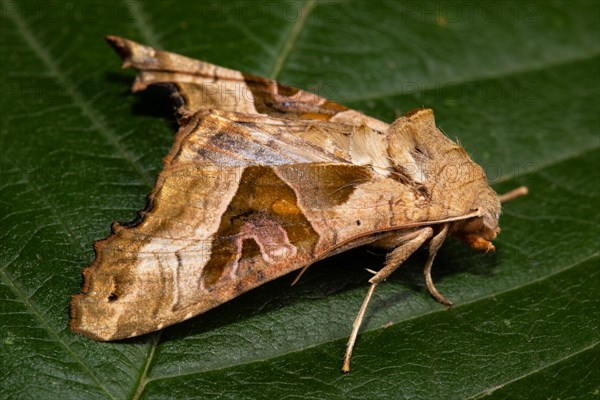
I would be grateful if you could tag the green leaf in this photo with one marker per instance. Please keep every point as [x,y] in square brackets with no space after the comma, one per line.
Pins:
[516,82]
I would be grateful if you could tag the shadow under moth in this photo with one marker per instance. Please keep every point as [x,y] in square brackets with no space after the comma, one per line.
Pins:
[264,179]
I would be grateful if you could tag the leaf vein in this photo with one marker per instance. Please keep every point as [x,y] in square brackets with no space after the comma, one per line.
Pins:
[143,23]
[98,122]
[291,39]
[492,76]
[486,297]
[19,292]
[491,390]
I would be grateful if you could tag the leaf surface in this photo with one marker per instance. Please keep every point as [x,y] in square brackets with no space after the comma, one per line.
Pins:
[516,82]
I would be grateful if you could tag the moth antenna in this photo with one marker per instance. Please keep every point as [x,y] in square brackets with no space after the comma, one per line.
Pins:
[514,194]
[371,271]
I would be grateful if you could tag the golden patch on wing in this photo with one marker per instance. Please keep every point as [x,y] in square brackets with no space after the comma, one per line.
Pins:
[263,209]
[325,186]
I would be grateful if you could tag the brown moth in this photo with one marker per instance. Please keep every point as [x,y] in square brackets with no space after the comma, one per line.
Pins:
[264,179]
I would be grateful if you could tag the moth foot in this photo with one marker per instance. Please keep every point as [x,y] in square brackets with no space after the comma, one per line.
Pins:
[434,292]
[442,299]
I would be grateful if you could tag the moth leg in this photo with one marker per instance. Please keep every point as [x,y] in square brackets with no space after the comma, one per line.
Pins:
[302,271]
[434,245]
[394,259]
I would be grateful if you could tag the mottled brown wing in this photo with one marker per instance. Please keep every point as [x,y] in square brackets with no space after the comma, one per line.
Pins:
[241,200]
[246,198]
[198,85]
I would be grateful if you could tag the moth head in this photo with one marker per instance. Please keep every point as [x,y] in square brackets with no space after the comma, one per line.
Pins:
[446,172]
[479,231]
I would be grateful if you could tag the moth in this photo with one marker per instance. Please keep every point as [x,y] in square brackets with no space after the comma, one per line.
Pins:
[264,179]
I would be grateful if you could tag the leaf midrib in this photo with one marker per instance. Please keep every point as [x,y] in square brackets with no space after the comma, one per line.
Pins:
[404,320]
[491,390]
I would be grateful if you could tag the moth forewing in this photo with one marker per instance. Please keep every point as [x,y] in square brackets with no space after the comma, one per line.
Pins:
[198,85]
[268,181]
